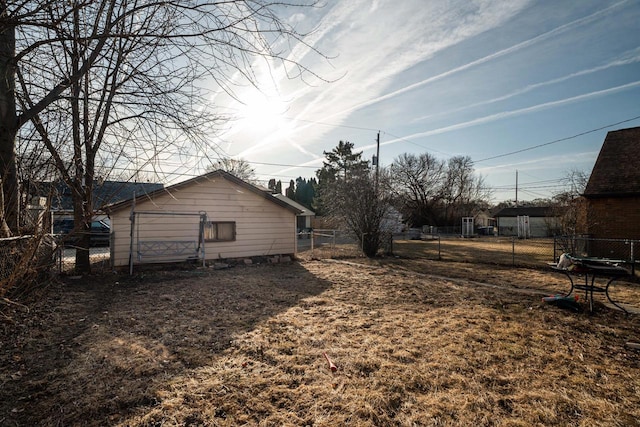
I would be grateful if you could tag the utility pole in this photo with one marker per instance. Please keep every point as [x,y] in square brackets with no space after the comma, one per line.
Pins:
[516,188]
[377,160]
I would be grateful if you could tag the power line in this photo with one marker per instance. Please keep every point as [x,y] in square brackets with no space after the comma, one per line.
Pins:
[557,140]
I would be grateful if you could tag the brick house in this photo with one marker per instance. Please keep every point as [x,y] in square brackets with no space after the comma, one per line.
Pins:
[613,190]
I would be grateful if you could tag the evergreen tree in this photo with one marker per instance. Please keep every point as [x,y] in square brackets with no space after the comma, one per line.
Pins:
[341,163]
[291,192]
[272,185]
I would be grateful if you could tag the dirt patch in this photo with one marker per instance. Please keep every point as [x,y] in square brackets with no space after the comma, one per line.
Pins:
[245,346]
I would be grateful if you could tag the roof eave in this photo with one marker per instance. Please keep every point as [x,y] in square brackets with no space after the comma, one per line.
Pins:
[219,173]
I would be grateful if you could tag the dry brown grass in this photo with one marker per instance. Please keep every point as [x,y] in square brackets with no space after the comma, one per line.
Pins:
[416,343]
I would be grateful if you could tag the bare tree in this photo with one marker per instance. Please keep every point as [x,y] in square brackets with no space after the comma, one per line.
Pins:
[431,191]
[569,206]
[462,190]
[118,85]
[239,168]
[416,182]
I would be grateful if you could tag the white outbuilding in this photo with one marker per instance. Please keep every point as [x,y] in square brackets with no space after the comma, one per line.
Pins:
[211,217]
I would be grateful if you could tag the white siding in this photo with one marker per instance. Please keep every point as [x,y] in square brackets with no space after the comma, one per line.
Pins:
[262,227]
[538,226]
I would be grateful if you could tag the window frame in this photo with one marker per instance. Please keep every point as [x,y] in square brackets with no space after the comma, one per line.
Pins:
[210,224]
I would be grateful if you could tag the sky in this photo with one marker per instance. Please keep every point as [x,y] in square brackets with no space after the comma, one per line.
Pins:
[524,88]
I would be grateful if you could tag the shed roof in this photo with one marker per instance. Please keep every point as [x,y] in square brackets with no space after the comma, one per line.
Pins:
[198,180]
[617,168]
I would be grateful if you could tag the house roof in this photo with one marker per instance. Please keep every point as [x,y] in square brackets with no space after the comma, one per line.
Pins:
[531,211]
[617,168]
[305,211]
[200,179]
[104,193]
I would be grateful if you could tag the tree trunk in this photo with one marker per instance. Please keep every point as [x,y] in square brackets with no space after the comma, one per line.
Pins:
[83,232]
[8,122]
[4,228]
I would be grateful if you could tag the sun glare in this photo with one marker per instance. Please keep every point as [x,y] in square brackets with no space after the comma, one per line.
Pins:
[264,113]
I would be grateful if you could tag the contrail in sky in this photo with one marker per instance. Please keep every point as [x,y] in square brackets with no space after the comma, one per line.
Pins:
[482,60]
[505,114]
[616,63]
[456,70]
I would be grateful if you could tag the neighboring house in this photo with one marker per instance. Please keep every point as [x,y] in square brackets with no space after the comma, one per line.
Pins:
[613,190]
[51,204]
[104,193]
[527,222]
[304,218]
[210,217]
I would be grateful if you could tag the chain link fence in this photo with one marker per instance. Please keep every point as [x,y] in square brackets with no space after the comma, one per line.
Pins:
[65,258]
[34,255]
[500,250]
[488,250]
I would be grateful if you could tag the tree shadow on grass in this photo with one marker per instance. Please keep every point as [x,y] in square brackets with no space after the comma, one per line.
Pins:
[96,349]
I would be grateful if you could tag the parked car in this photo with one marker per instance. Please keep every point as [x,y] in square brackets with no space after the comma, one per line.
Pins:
[100,232]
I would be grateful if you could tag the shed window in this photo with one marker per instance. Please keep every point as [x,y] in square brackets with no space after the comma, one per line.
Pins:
[220,231]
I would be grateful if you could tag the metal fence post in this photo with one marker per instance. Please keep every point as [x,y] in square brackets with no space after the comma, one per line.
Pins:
[333,244]
[362,243]
[60,253]
[439,252]
[513,251]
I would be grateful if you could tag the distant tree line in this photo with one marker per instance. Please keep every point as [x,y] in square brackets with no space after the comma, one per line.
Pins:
[425,190]
[302,190]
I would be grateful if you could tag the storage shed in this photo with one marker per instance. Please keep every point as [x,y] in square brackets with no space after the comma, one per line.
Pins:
[211,217]
[537,221]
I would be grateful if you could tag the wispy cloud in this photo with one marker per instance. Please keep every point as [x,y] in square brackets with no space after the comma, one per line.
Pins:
[394,61]
[630,57]
[506,114]
[372,53]
[510,50]
[375,49]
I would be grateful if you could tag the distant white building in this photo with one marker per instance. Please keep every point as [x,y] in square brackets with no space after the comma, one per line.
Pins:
[540,221]
[392,221]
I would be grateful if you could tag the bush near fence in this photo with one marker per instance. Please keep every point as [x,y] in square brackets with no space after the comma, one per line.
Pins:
[24,262]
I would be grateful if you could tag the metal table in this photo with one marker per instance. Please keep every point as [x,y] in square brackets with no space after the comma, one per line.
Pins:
[591,268]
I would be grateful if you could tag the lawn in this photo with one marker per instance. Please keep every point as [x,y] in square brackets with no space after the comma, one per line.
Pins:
[415,342]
